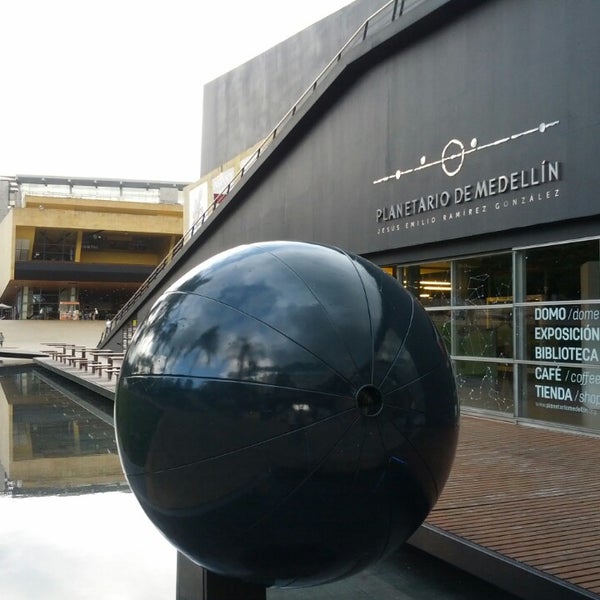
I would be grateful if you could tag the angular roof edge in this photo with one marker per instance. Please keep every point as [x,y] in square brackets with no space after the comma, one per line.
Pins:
[95,182]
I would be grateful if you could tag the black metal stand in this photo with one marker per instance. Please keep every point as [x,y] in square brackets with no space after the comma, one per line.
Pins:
[197,583]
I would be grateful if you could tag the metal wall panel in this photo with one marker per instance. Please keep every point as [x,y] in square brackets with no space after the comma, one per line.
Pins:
[489,119]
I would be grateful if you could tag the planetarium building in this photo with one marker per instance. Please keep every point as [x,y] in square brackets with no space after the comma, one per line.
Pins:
[455,146]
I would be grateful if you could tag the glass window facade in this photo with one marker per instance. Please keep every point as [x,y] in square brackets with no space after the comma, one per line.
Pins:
[430,282]
[54,244]
[93,192]
[484,280]
[21,249]
[522,328]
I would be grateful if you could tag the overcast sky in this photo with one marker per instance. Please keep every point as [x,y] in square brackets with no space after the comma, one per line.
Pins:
[113,88]
[89,547]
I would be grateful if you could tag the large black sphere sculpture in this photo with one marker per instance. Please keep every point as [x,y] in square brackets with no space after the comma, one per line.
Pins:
[286,414]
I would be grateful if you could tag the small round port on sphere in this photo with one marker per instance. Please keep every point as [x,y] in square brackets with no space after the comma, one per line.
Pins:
[369,400]
[286,414]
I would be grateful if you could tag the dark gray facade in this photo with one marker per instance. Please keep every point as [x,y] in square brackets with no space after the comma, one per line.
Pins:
[485,123]
[455,147]
[242,106]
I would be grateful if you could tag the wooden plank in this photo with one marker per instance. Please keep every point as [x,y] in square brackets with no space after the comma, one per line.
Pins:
[529,494]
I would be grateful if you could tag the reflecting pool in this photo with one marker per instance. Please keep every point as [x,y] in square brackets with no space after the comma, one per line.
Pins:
[69,526]
[71,530]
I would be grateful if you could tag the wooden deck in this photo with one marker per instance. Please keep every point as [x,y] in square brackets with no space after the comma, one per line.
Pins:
[528,494]
[91,379]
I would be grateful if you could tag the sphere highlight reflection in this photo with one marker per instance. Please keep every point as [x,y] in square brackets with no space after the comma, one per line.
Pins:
[286,414]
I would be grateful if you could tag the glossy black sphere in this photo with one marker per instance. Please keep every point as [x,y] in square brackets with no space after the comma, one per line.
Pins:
[286,414]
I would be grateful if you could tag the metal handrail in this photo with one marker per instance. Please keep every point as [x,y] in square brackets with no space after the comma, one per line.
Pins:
[380,18]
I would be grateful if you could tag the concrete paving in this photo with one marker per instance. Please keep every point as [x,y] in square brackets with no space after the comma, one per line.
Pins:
[30,336]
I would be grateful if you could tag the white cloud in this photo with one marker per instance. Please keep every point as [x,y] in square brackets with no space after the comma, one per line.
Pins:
[90,547]
[114,88]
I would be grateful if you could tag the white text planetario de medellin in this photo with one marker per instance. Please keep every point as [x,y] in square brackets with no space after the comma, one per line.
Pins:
[547,172]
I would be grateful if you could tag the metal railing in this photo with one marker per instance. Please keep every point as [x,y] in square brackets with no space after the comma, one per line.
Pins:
[384,16]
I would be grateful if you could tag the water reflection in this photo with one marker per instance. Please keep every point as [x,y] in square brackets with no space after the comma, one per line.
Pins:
[69,526]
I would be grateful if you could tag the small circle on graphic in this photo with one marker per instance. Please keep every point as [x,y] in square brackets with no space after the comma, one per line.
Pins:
[453,157]
[474,143]
[398,173]
[423,159]
[542,127]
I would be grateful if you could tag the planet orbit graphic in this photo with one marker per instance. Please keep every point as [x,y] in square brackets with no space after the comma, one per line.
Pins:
[474,147]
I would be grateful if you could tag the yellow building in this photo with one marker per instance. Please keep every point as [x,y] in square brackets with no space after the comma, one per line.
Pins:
[49,444]
[79,248]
